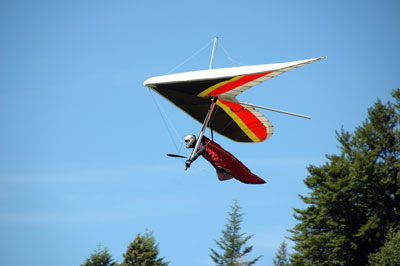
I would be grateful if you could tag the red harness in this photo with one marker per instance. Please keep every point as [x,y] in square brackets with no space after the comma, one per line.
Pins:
[221,158]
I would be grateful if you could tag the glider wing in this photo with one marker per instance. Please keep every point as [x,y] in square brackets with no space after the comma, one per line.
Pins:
[190,92]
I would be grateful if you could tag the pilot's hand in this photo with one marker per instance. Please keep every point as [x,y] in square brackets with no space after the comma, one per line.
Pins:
[187,164]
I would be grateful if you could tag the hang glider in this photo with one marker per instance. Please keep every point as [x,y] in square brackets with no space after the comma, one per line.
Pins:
[192,92]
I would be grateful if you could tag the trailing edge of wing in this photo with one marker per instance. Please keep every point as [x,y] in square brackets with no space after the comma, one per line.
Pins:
[250,121]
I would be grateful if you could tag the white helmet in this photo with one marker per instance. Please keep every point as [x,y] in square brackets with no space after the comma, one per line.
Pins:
[189,140]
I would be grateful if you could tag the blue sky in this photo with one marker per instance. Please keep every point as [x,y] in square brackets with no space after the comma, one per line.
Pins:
[82,143]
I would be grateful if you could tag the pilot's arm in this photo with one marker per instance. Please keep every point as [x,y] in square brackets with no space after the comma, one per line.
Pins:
[200,150]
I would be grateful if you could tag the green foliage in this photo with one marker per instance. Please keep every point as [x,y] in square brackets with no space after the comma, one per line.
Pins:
[389,254]
[232,242]
[100,257]
[143,251]
[355,196]
[281,257]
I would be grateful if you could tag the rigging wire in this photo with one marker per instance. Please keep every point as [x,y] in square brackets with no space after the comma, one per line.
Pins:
[222,130]
[193,55]
[166,122]
[233,61]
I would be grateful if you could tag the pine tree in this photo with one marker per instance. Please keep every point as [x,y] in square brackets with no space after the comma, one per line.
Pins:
[281,257]
[143,251]
[232,242]
[100,257]
[389,254]
[355,196]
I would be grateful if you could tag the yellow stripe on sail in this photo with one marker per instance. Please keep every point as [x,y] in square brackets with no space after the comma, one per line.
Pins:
[207,91]
[239,122]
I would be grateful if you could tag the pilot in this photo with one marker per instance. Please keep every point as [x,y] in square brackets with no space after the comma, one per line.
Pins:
[204,150]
